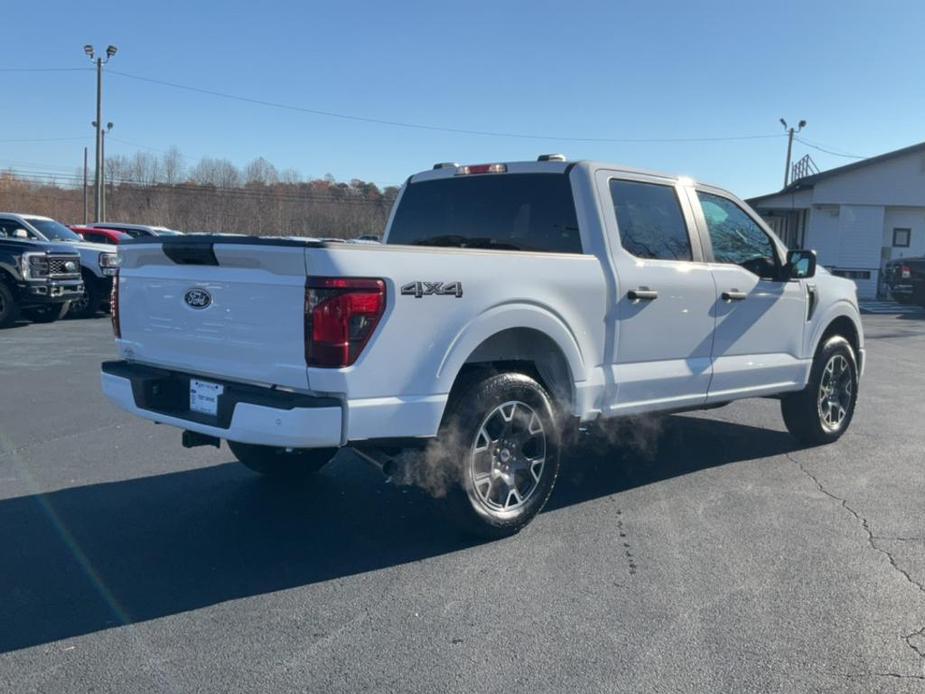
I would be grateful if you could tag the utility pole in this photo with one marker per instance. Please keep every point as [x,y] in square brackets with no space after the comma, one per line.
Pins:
[101,217]
[98,176]
[790,133]
[86,209]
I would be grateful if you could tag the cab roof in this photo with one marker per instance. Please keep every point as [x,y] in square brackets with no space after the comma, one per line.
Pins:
[452,169]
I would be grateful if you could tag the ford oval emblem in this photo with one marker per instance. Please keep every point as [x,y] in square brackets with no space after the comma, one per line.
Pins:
[198,298]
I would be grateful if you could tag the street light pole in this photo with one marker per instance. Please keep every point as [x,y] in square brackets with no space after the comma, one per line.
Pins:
[101,217]
[98,176]
[790,134]
[86,210]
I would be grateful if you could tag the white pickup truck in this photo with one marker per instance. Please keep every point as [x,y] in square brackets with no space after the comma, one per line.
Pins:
[506,304]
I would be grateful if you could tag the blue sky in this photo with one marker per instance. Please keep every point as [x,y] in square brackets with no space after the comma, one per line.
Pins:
[705,69]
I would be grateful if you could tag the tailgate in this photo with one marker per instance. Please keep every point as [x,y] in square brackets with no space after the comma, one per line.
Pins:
[233,310]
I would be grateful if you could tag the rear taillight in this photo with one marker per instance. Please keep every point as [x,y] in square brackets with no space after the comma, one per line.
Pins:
[341,314]
[114,306]
[905,272]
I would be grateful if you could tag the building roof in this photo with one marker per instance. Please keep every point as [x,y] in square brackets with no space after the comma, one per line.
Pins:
[810,181]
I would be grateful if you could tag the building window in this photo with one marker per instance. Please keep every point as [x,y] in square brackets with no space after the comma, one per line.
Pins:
[901,238]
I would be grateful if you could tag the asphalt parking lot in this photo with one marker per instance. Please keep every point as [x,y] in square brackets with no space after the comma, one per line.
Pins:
[704,552]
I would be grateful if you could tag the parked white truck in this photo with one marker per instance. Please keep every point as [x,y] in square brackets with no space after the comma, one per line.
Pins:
[506,304]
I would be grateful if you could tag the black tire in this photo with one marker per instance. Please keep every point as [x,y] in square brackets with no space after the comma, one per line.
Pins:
[808,414]
[278,463]
[509,453]
[9,310]
[47,314]
[89,305]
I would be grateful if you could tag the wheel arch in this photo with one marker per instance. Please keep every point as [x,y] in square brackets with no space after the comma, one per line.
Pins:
[525,339]
[842,320]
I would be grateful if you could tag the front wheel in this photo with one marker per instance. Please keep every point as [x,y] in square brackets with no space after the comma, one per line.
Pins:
[87,305]
[281,463]
[9,310]
[47,314]
[499,449]
[821,412]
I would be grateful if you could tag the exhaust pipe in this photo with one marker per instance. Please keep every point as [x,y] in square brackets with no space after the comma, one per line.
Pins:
[380,461]
[192,439]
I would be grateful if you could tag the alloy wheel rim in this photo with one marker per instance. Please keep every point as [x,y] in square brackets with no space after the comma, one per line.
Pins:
[78,305]
[836,388]
[508,457]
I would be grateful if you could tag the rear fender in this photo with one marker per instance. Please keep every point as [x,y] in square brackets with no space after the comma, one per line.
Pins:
[507,317]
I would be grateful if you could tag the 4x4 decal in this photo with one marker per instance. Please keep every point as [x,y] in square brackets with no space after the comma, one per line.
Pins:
[421,289]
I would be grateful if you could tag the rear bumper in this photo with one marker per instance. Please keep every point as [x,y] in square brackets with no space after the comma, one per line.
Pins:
[249,414]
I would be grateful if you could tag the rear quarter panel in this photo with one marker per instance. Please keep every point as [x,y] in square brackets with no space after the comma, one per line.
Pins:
[421,343]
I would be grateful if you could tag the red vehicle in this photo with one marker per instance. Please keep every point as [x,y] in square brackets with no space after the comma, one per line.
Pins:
[100,235]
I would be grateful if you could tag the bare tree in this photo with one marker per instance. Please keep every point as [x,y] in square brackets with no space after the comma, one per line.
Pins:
[172,166]
[260,172]
[211,196]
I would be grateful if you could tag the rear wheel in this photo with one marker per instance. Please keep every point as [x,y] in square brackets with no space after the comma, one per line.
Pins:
[281,463]
[47,314]
[822,412]
[9,310]
[499,450]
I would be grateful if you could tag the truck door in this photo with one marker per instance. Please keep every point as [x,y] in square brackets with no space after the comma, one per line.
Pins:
[665,295]
[759,318]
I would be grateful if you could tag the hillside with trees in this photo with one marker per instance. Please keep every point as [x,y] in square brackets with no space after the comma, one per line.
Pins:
[213,195]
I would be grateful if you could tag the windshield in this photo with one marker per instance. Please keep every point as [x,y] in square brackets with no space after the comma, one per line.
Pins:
[52,230]
[530,212]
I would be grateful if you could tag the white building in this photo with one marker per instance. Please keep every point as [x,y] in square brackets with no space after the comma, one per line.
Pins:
[857,216]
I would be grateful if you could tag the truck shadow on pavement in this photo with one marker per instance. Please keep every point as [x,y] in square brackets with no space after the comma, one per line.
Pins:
[90,558]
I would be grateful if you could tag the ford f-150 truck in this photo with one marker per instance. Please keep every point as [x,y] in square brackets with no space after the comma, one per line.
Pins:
[507,304]
[906,279]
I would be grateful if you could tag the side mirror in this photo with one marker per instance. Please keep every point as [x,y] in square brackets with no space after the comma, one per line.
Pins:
[800,265]
[20,234]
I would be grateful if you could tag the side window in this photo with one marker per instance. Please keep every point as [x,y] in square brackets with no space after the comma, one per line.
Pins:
[8,227]
[737,239]
[650,220]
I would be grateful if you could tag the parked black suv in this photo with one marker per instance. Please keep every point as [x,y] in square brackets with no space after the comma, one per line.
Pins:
[906,279]
[36,278]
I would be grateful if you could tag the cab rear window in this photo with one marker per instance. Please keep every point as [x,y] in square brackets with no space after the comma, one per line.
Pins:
[527,212]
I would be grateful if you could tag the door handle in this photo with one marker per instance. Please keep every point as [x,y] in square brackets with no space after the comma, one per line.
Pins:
[734,295]
[642,294]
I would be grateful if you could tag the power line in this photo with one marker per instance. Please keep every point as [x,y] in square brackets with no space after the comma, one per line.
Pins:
[140,146]
[190,158]
[49,178]
[422,126]
[45,139]
[44,69]
[829,151]
[7,163]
